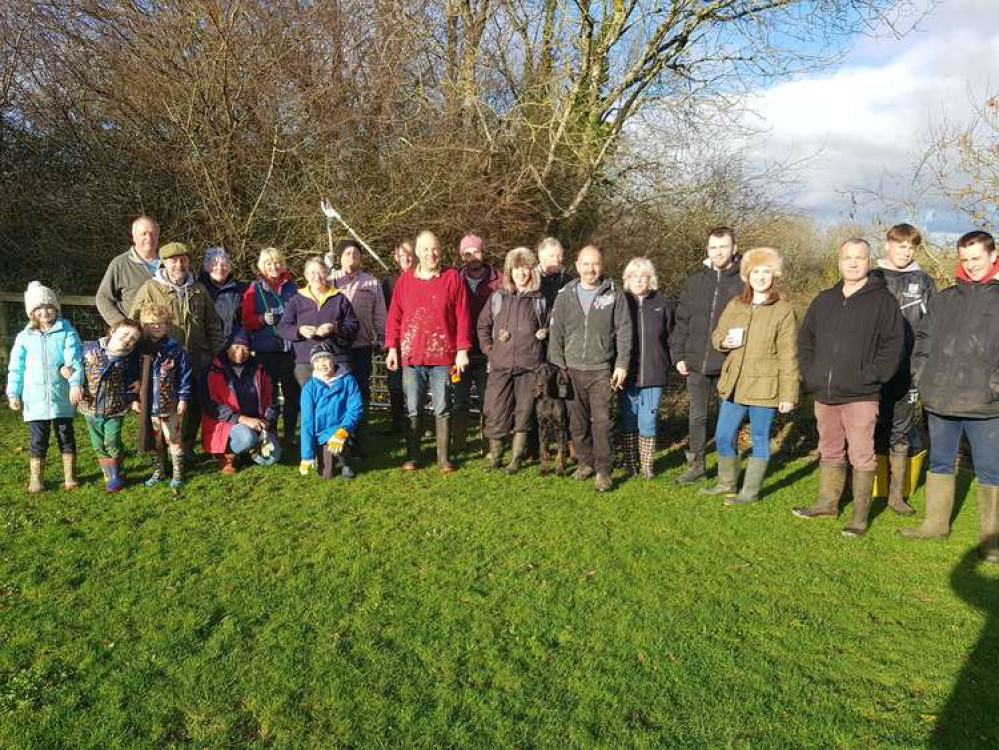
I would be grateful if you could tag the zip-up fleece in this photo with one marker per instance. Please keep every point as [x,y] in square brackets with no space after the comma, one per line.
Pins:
[521,315]
[599,340]
[125,275]
[306,310]
[107,380]
[849,347]
[913,288]
[33,372]
[955,364]
[704,296]
[328,406]
[651,321]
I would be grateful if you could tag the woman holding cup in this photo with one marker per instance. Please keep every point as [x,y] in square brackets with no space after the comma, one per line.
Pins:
[759,378]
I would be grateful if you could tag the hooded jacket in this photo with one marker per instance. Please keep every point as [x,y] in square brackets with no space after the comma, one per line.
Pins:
[849,347]
[33,371]
[193,319]
[651,322]
[228,396]
[913,288]
[955,364]
[704,296]
[598,340]
[328,406]
[306,310]
[521,316]
[107,380]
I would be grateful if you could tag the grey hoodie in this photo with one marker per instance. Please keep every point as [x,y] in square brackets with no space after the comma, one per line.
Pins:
[599,340]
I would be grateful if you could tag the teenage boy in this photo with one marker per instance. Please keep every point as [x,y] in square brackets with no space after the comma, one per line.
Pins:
[705,294]
[896,431]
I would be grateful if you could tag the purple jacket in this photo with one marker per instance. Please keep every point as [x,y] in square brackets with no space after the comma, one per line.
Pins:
[305,310]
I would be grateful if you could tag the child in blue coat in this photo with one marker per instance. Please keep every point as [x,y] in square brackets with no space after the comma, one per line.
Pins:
[331,411]
[43,382]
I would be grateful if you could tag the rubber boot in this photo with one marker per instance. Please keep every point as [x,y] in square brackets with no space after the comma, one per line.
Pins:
[227,463]
[69,471]
[695,469]
[728,477]
[603,482]
[397,410]
[582,472]
[495,455]
[112,476]
[459,430]
[756,469]
[988,523]
[159,467]
[832,479]
[36,470]
[346,465]
[414,429]
[863,491]
[517,452]
[939,506]
[629,447]
[897,465]
[442,426]
[647,456]
[177,481]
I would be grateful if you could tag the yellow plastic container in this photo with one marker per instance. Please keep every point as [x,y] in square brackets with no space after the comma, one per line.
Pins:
[912,472]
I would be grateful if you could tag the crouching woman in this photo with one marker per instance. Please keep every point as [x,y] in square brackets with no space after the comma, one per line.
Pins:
[239,410]
[759,378]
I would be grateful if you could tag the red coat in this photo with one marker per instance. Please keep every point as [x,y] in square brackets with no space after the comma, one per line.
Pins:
[429,319]
[477,300]
[221,413]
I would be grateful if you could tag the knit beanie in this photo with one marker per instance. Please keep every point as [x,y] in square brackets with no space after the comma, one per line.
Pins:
[215,253]
[470,242]
[37,295]
[761,256]
[319,351]
[238,337]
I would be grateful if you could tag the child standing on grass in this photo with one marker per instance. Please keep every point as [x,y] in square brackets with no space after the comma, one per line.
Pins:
[331,410]
[165,392]
[111,373]
[43,382]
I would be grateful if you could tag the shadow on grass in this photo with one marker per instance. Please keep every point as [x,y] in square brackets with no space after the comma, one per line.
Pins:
[790,478]
[969,718]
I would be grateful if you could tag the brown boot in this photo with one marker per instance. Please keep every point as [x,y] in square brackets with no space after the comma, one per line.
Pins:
[939,506]
[898,463]
[988,523]
[442,426]
[69,471]
[36,470]
[227,463]
[832,479]
[863,491]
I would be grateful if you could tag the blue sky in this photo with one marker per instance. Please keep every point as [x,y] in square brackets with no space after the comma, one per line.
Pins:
[865,121]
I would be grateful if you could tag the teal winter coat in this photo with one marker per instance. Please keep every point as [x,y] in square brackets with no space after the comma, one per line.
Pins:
[33,374]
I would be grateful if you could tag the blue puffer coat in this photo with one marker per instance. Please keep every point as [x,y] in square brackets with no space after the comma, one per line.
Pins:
[33,374]
[326,407]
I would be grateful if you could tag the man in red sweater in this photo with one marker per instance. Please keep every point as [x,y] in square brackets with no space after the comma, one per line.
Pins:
[428,331]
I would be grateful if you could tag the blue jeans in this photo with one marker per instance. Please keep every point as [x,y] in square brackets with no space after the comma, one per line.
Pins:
[640,409]
[416,380]
[730,418]
[242,439]
[945,439]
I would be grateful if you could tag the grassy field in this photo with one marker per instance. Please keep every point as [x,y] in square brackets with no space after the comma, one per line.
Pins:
[476,610]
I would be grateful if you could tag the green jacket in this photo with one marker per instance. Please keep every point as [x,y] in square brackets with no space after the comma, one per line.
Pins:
[764,370]
[194,321]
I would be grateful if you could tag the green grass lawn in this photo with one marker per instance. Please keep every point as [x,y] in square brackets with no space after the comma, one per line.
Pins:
[476,610]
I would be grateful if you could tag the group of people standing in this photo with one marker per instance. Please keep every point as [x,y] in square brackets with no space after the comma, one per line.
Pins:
[212,352]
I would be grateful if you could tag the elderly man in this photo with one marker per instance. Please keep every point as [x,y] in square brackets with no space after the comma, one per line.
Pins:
[705,294]
[955,366]
[590,336]
[129,271]
[428,333]
[481,280]
[850,344]
[193,322]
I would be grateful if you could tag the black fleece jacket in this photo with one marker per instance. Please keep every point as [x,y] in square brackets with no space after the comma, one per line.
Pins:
[849,347]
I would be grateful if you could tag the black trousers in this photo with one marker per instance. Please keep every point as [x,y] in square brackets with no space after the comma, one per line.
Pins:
[509,403]
[590,418]
[39,432]
[280,367]
[702,391]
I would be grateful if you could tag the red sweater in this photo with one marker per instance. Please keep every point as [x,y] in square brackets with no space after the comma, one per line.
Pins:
[429,320]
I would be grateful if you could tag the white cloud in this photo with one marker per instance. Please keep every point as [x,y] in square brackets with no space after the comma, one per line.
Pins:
[870,119]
